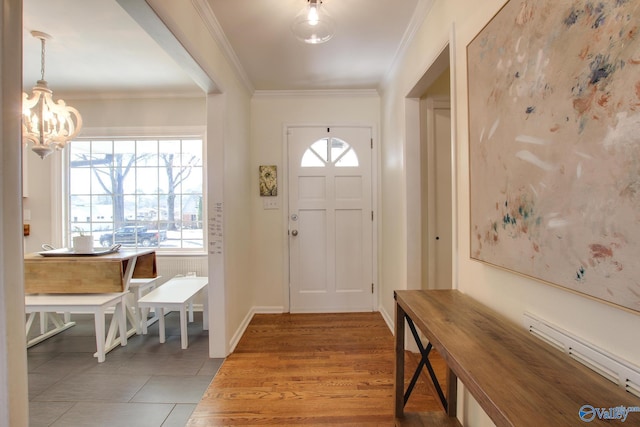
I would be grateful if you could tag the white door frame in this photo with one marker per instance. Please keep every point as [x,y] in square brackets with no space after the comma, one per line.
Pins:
[375,201]
[413,168]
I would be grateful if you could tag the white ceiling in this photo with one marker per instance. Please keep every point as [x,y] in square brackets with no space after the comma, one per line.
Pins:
[97,47]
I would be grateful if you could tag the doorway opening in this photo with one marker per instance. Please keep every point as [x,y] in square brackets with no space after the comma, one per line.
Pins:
[431,216]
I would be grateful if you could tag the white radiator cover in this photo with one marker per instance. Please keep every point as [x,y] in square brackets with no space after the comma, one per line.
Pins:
[615,369]
[170,266]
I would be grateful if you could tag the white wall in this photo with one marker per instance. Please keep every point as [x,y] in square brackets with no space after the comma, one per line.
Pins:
[270,113]
[153,111]
[604,325]
[237,217]
[14,405]
[228,135]
[37,205]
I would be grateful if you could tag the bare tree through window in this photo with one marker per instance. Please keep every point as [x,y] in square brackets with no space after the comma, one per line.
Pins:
[153,187]
[175,177]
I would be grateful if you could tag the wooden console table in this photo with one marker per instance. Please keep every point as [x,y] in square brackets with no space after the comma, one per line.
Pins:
[517,379]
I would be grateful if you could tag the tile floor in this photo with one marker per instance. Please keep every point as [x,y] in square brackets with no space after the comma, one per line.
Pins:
[145,384]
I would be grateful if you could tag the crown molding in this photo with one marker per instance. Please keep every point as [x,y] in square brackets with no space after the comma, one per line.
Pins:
[214,28]
[132,94]
[417,19]
[320,93]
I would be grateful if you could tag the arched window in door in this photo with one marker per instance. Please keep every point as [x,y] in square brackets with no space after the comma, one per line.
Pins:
[329,151]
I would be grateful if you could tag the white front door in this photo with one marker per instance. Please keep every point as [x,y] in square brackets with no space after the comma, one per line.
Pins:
[330,219]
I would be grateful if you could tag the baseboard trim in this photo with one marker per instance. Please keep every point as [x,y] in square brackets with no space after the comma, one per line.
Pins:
[235,339]
[387,319]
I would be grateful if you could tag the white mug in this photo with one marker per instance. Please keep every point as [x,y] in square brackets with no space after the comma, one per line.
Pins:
[83,244]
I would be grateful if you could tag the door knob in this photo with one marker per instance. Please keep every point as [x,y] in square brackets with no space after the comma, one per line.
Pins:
[294,233]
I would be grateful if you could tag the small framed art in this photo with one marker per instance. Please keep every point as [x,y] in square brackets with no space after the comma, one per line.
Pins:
[268,180]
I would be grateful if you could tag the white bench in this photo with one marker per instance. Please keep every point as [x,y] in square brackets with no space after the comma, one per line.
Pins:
[176,294]
[80,303]
[140,287]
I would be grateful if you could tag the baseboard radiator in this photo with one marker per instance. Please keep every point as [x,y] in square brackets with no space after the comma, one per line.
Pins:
[171,266]
[618,371]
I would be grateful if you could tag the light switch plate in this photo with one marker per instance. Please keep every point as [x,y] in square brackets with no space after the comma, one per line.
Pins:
[270,203]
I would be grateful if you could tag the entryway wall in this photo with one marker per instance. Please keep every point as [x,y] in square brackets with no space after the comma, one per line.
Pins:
[271,113]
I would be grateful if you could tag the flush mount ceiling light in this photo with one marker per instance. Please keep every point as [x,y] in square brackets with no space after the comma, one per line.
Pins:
[48,125]
[312,25]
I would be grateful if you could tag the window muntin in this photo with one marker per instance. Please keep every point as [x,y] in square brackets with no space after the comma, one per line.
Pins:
[143,192]
[329,151]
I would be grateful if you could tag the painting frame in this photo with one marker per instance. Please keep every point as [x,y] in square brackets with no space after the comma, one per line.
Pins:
[554,145]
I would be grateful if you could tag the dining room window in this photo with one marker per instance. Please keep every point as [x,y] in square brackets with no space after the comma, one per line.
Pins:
[138,192]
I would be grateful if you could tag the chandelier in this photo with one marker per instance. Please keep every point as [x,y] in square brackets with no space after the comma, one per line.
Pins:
[48,125]
[311,26]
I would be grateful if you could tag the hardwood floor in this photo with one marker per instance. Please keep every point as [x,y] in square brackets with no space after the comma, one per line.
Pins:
[311,369]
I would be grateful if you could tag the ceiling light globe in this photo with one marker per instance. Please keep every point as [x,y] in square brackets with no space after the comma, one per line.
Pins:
[313,26]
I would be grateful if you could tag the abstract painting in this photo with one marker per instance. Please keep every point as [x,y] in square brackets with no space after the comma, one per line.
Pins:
[554,145]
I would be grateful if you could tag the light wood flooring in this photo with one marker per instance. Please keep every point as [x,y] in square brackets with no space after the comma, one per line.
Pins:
[312,369]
